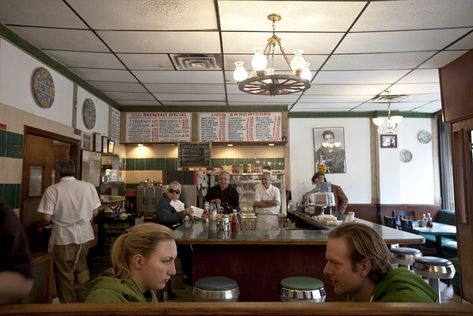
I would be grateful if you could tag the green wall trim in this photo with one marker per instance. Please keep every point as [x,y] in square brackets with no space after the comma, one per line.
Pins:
[155,108]
[10,194]
[37,53]
[358,114]
[11,144]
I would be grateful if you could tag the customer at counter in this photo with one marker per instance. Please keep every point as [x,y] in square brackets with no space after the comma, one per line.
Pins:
[224,194]
[70,205]
[267,203]
[358,265]
[143,262]
[341,200]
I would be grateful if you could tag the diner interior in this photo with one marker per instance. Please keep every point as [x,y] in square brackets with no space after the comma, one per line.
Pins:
[140,93]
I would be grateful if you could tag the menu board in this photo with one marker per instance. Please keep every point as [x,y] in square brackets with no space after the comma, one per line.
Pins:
[240,127]
[153,127]
[114,124]
[194,155]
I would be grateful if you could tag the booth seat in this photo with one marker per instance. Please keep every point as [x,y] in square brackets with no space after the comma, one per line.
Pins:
[449,243]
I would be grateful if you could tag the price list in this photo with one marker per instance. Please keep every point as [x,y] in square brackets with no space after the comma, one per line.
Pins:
[242,127]
[114,124]
[153,127]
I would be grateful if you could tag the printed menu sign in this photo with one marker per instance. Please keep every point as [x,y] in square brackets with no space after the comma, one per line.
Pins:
[153,127]
[240,127]
[114,124]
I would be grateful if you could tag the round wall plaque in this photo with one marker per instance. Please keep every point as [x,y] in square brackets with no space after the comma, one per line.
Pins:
[43,87]
[405,155]
[88,113]
[424,137]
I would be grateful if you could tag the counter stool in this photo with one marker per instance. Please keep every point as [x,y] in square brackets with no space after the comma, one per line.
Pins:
[215,288]
[434,268]
[405,256]
[302,288]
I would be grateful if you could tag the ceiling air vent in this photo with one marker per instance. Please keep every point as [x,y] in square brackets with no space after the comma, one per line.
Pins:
[385,98]
[197,61]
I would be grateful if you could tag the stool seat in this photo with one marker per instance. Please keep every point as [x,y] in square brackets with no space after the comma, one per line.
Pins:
[434,267]
[405,256]
[302,288]
[216,288]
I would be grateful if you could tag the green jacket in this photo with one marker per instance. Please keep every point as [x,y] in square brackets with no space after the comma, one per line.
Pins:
[402,285]
[106,289]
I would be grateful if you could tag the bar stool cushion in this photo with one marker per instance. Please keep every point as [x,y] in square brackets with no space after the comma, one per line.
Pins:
[216,283]
[406,251]
[216,288]
[302,288]
[434,267]
[301,283]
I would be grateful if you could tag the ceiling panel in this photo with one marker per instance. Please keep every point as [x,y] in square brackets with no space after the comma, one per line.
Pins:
[185,88]
[359,77]
[179,76]
[346,89]
[421,76]
[442,59]
[189,97]
[335,98]
[103,74]
[464,43]
[108,86]
[86,59]
[193,103]
[377,61]
[131,96]
[138,103]
[146,61]
[415,88]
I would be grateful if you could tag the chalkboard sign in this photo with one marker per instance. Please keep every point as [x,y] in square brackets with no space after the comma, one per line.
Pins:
[194,155]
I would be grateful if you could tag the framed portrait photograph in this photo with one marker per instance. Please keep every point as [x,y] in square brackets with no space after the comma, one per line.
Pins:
[104,144]
[86,141]
[97,142]
[388,141]
[329,149]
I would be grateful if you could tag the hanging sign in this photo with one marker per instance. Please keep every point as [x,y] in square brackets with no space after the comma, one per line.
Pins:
[153,127]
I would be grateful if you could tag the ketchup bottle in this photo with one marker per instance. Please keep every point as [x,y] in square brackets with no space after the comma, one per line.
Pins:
[235,223]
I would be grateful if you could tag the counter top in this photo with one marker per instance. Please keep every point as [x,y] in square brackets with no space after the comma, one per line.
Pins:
[199,233]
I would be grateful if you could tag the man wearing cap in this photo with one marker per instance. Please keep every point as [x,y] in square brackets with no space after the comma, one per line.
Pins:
[341,200]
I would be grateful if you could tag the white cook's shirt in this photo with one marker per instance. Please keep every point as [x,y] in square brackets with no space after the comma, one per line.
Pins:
[272,193]
[71,203]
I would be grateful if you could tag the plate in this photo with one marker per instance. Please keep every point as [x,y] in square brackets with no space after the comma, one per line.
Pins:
[43,87]
[424,137]
[89,113]
[405,155]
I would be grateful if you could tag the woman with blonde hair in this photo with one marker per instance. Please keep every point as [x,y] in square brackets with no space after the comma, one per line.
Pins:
[143,261]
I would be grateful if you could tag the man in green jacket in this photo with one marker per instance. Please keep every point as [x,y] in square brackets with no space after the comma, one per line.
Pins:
[358,265]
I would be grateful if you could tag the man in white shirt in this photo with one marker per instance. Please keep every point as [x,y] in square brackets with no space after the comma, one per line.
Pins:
[267,203]
[70,205]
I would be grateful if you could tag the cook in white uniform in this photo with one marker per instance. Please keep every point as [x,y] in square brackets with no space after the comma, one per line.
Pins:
[267,203]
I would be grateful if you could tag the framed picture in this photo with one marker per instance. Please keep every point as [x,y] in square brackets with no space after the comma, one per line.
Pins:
[329,147]
[97,142]
[111,146]
[35,186]
[388,141]
[86,141]
[104,144]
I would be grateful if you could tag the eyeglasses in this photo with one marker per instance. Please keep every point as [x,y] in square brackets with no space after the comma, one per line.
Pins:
[174,191]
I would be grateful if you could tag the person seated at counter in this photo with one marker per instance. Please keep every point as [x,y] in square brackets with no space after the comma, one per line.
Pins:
[341,200]
[358,265]
[224,193]
[267,204]
[143,262]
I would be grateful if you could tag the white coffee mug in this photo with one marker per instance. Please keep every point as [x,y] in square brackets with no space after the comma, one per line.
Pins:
[350,217]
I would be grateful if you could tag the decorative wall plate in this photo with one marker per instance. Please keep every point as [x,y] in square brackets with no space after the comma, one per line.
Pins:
[43,87]
[89,113]
[424,137]
[405,155]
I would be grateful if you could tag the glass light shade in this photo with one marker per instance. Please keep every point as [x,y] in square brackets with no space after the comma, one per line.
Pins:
[306,74]
[240,72]
[298,62]
[378,121]
[259,61]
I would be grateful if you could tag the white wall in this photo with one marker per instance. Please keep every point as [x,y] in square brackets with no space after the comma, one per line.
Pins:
[101,109]
[356,182]
[16,70]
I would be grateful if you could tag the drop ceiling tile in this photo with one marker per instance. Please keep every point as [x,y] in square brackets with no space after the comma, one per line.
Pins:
[315,109]
[383,42]
[345,106]
[161,42]
[197,103]
[415,88]
[464,43]
[424,97]
[243,103]
[359,77]
[152,103]
[346,89]
[119,96]
[334,98]
[421,76]
[311,43]
[190,97]
[86,59]
[108,86]
[376,61]
[179,77]
[426,110]
[315,61]
[103,74]
[296,15]
[61,39]
[146,61]
[147,15]
[245,97]
[185,88]
[443,58]
[51,13]
[418,14]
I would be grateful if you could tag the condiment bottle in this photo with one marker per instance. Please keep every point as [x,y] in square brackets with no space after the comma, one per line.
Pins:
[235,222]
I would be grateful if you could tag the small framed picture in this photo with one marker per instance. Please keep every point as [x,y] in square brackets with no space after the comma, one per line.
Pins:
[97,142]
[104,144]
[388,141]
[111,146]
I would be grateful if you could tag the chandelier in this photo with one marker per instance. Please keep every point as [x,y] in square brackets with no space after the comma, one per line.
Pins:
[390,124]
[262,80]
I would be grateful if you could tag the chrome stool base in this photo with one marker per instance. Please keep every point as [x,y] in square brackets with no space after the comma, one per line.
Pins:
[434,269]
